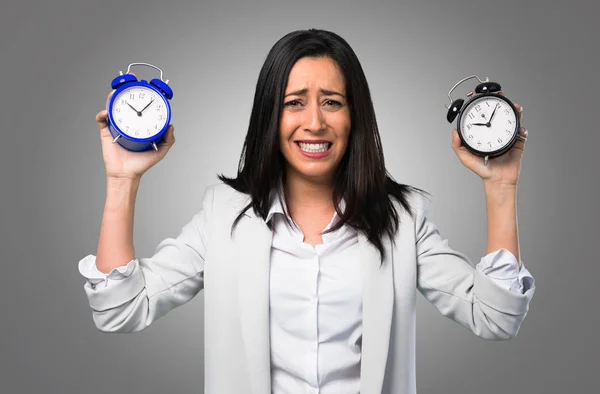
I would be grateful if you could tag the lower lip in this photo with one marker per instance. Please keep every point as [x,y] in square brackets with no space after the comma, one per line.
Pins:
[314,155]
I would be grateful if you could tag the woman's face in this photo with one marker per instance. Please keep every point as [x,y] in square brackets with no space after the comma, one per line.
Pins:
[315,121]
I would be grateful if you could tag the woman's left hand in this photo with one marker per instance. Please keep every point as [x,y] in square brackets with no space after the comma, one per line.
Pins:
[501,170]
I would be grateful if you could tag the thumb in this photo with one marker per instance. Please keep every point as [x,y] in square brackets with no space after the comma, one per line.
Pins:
[456,143]
[169,137]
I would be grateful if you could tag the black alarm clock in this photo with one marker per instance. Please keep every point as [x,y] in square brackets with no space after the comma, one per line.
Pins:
[488,122]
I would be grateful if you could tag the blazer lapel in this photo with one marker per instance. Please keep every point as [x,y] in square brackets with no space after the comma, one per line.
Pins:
[378,302]
[253,240]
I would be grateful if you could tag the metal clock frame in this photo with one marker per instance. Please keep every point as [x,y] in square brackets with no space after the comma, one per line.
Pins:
[472,97]
[114,129]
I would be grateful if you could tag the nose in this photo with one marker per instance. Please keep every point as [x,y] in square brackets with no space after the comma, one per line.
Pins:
[315,120]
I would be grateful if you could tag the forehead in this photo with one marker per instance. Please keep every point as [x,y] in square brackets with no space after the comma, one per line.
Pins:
[321,72]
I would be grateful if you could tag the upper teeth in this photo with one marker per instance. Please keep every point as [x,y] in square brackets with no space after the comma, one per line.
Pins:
[311,147]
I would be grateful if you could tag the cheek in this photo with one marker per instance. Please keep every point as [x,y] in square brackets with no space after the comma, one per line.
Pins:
[285,135]
[286,128]
[343,131]
[342,145]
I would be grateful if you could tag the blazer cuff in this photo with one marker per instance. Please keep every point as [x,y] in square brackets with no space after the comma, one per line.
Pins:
[502,267]
[489,292]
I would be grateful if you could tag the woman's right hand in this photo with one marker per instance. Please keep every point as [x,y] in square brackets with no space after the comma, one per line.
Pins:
[122,163]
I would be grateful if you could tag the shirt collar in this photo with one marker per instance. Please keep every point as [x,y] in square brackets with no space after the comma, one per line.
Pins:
[278,202]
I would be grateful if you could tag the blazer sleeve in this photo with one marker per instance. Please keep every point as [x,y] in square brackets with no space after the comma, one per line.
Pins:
[132,297]
[468,296]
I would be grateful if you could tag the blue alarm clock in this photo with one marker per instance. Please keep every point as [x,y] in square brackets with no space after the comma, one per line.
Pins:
[139,112]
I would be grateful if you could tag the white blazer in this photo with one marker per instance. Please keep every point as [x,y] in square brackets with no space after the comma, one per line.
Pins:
[234,273]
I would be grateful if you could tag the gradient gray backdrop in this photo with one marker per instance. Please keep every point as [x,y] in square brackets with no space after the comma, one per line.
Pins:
[57,61]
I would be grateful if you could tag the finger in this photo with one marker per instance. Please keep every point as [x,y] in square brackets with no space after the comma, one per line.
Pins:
[501,93]
[169,137]
[519,110]
[108,97]
[522,133]
[101,118]
[455,139]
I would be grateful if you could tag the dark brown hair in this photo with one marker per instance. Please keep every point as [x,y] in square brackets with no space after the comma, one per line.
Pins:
[361,178]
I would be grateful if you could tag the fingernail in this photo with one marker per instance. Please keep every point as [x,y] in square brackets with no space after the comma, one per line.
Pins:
[521,109]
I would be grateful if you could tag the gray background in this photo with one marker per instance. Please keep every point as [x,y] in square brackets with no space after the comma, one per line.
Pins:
[58,58]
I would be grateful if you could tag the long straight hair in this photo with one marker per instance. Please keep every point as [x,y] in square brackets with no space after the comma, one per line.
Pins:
[361,178]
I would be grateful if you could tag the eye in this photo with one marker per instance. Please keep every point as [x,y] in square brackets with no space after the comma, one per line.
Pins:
[334,103]
[291,103]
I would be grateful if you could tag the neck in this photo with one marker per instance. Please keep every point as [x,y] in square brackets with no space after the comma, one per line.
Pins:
[302,194]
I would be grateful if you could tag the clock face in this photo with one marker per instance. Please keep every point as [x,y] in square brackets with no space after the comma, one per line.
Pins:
[139,112]
[488,123]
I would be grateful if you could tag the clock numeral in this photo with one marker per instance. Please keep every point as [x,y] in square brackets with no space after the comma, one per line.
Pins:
[470,136]
[478,143]
[122,102]
[506,111]
[508,132]
[131,96]
[118,110]
[160,117]
[155,127]
[488,104]
[120,120]
[471,116]
[478,107]
[137,133]
[469,126]
[142,95]
[500,140]
[126,128]
[510,122]
[490,144]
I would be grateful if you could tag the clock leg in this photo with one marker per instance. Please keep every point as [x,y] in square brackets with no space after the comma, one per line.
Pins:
[116,138]
[485,161]
[154,146]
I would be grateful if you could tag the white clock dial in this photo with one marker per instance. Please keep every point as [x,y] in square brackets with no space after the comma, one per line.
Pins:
[482,131]
[139,112]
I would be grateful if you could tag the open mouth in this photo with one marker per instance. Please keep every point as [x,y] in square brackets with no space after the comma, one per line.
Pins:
[314,147]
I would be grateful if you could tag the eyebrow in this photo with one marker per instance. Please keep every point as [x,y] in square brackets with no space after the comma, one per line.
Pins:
[324,91]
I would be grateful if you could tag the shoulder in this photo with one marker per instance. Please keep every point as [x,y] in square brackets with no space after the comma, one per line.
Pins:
[417,204]
[219,196]
[411,213]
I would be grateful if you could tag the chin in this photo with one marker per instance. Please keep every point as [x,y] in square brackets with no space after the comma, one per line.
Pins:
[314,173]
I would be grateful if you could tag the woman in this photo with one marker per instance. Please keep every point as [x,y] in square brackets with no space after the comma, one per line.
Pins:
[311,255]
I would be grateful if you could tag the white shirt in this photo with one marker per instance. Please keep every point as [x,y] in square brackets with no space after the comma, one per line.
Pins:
[316,304]
[315,309]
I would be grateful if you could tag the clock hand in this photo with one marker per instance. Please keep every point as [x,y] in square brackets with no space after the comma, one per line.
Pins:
[479,124]
[492,117]
[138,112]
[151,101]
